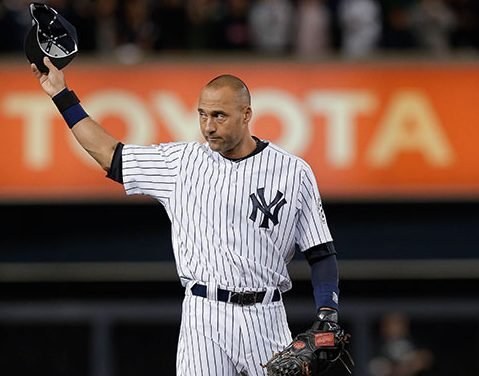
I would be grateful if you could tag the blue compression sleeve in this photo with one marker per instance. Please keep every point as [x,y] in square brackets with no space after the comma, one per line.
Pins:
[325,281]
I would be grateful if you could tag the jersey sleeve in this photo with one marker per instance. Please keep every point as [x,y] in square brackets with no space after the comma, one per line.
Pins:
[311,228]
[151,170]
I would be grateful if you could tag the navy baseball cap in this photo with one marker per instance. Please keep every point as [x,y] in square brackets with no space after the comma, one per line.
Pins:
[50,35]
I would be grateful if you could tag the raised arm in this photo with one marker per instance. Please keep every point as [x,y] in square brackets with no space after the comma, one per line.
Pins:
[91,136]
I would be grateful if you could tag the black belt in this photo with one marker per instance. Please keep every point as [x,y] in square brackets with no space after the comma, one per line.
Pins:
[241,298]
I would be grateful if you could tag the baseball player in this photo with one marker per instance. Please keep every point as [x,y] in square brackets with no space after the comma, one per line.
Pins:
[239,206]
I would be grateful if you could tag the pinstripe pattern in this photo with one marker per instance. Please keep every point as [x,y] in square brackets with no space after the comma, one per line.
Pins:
[207,198]
[235,225]
[233,339]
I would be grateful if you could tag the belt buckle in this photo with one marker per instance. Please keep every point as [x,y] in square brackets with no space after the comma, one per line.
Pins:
[243,299]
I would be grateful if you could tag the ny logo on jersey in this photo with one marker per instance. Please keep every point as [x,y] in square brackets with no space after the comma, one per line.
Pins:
[259,203]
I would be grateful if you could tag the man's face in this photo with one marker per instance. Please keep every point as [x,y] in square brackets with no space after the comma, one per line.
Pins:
[224,117]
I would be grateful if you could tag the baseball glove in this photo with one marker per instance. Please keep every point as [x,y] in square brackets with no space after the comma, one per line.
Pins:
[313,352]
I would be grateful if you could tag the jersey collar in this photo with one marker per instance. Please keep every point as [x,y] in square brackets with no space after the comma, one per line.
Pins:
[260,145]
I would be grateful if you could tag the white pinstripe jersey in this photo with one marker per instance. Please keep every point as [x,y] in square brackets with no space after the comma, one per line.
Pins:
[234,223]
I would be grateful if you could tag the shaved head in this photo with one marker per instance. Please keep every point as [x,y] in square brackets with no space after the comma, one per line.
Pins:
[224,109]
[234,83]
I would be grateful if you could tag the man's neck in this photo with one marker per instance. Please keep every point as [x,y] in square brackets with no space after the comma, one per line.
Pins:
[259,146]
[247,147]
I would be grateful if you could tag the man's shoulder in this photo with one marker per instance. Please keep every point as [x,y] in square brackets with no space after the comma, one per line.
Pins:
[164,146]
[174,152]
[274,148]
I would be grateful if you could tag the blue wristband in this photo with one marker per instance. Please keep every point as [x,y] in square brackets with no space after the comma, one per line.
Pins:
[74,114]
[69,106]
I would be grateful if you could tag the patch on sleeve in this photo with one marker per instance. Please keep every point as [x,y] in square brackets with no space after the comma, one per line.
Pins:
[319,204]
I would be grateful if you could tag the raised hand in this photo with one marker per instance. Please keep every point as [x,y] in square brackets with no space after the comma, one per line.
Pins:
[53,82]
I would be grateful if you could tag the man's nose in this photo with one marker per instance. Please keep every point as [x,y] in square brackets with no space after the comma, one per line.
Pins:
[210,125]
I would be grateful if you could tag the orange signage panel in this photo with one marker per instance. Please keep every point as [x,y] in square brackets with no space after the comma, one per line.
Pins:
[368,131]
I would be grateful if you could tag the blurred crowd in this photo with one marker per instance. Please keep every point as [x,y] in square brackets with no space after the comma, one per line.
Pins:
[130,29]
[397,353]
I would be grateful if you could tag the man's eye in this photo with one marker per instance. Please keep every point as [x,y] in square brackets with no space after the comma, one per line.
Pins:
[220,116]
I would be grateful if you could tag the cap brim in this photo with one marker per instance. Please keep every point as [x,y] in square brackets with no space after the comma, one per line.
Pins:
[33,51]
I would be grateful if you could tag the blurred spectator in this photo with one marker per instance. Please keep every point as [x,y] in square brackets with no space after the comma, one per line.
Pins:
[361,27]
[236,28]
[466,31]
[106,26]
[397,33]
[312,37]
[135,31]
[398,355]
[205,22]
[171,23]
[271,24]
[433,22]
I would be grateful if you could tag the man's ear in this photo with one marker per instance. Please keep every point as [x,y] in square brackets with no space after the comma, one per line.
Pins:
[248,114]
